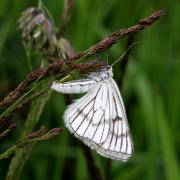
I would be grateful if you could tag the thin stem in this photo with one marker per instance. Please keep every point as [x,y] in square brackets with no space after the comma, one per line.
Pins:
[15,104]
[65,17]
[18,162]
[22,155]
[93,168]
[40,4]
[8,152]
[26,140]
[43,8]
[8,110]
[9,129]
[29,61]
[28,54]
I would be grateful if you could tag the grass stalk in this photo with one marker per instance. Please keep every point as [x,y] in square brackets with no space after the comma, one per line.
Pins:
[22,155]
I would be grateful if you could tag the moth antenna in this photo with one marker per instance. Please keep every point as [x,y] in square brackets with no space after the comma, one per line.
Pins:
[121,57]
[108,55]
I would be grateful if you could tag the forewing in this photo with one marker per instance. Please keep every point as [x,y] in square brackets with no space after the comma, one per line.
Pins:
[118,144]
[83,116]
[73,87]
[81,85]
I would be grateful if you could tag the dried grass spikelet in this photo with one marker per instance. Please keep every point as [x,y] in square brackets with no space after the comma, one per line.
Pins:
[38,31]
[65,47]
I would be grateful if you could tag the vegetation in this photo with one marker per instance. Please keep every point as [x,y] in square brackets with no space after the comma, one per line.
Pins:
[34,144]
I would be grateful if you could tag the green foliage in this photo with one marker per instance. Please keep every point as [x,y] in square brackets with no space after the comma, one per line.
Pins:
[150,90]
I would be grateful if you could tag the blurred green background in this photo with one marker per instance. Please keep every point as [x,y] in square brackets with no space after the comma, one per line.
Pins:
[151,89]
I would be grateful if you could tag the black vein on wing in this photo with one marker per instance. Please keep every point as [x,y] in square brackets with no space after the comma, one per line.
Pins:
[116,120]
[109,116]
[93,109]
[116,90]
[81,110]
[104,117]
[121,138]
[83,120]
[97,127]
[112,133]
[124,115]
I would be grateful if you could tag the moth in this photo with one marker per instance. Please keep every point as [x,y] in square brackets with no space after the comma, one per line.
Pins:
[98,118]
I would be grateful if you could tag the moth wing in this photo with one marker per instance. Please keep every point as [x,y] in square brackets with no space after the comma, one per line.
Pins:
[118,144]
[99,120]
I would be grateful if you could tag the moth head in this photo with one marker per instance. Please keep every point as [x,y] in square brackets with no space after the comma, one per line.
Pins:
[108,67]
[109,71]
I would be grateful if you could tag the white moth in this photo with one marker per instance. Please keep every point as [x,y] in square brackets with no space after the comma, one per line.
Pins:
[98,118]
